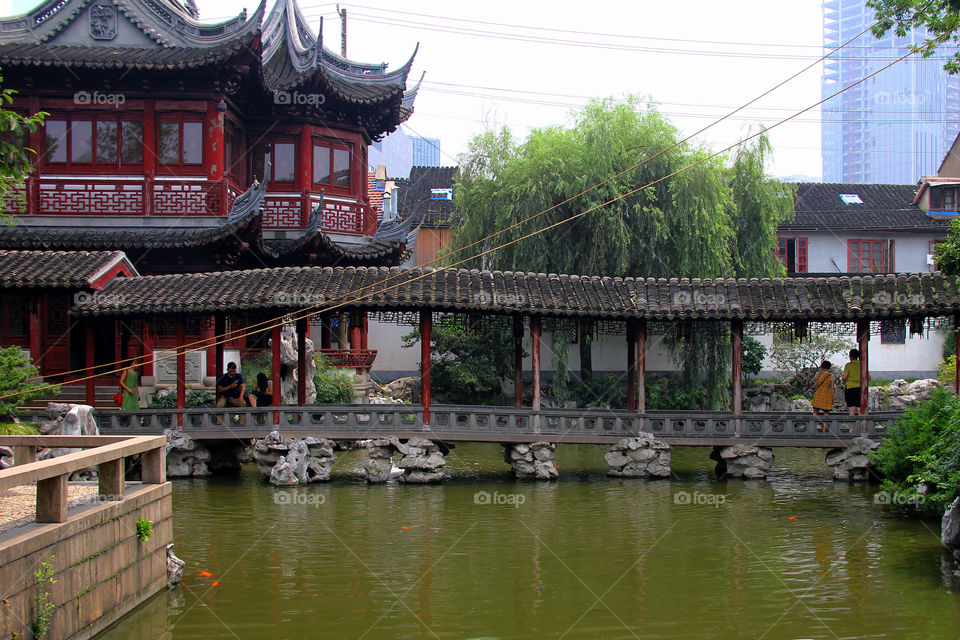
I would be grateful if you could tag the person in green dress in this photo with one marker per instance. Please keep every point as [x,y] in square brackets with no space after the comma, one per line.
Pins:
[131,395]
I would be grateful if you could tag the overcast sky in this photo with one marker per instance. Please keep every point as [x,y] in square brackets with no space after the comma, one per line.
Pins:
[528,64]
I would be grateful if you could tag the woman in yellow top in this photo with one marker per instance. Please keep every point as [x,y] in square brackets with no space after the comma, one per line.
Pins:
[823,392]
[851,382]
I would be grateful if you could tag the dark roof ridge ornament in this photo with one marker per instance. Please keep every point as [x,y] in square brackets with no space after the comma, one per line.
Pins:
[315,217]
[250,201]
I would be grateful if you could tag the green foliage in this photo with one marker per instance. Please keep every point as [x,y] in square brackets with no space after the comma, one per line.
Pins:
[753,353]
[14,152]
[794,357]
[16,372]
[668,393]
[947,371]
[260,363]
[144,529]
[950,345]
[19,429]
[467,366]
[940,19]
[947,253]
[166,400]
[42,607]
[199,398]
[708,220]
[334,386]
[924,449]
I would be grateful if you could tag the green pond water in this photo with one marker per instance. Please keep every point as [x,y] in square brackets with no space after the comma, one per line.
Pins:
[485,556]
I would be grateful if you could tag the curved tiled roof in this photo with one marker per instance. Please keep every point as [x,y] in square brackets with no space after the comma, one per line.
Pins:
[885,207]
[778,299]
[54,269]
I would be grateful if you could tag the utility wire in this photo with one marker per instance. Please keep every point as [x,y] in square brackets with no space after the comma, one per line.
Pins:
[312,310]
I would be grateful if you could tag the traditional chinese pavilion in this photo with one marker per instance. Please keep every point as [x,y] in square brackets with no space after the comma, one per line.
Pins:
[198,147]
[190,147]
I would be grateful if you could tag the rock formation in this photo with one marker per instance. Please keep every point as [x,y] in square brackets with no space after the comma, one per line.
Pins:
[288,357]
[535,460]
[186,457]
[640,457]
[68,420]
[743,461]
[851,463]
[289,462]
[950,530]
[422,461]
[174,567]
[378,466]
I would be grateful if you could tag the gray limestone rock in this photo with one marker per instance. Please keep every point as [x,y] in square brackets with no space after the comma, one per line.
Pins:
[851,463]
[174,567]
[535,460]
[950,528]
[309,458]
[6,457]
[282,475]
[639,457]
[185,457]
[744,461]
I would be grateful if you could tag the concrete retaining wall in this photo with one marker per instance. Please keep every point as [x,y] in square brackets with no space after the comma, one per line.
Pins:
[102,570]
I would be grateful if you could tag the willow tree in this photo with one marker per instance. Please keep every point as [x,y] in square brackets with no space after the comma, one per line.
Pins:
[662,209]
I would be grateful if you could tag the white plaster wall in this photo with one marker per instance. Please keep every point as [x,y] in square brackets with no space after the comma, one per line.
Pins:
[918,357]
[827,251]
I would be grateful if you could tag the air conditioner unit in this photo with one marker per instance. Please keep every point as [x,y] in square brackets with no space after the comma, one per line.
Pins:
[441,194]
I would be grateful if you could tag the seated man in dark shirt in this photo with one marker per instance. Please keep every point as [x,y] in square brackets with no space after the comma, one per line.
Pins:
[230,388]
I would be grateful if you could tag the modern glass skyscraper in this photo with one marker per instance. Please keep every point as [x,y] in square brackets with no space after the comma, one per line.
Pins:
[896,126]
[426,152]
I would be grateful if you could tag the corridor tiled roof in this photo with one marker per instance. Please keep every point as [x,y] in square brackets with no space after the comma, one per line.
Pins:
[830,299]
[54,269]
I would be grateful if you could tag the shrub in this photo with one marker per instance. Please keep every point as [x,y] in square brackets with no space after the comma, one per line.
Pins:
[333,386]
[163,400]
[16,386]
[198,398]
[753,353]
[947,371]
[19,429]
[924,449]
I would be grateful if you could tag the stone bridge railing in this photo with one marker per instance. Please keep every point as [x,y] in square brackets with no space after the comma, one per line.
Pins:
[498,424]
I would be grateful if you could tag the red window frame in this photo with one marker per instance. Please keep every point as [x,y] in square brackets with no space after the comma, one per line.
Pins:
[180,166]
[94,165]
[943,198]
[860,251]
[800,254]
[260,161]
[331,147]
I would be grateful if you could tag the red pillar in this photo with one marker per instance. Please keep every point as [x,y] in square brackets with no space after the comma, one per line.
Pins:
[214,152]
[302,324]
[355,335]
[36,336]
[642,366]
[364,330]
[326,332]
[219,329]
[181,369]
[535,359]
[208,335]
[517,360]
[631,365]
[736,341]
[149,155]
[426,324]
[277,382]
[147,342]
[91,381]
[863,341]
